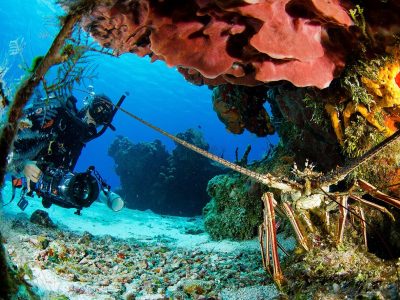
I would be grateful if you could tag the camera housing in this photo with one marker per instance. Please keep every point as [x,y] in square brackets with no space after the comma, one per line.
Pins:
[68,190]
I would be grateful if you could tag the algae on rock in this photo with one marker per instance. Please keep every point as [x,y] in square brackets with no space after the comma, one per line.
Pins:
[235,210]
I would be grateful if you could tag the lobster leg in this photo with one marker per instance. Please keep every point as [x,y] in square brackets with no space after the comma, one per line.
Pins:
[343,209]
[263,238]
[360,213]
[370,189]
[290,214]
[270,228]
[371,204]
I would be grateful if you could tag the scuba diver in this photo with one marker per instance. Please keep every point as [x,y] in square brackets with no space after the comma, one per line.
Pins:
[47,148]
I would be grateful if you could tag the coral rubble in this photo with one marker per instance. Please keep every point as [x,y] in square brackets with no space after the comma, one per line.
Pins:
[105,267]
[13,284]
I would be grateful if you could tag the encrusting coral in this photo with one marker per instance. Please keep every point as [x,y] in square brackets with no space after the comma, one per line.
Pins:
[385,88]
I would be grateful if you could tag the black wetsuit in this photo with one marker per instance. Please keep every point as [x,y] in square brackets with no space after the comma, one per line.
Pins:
[56,137]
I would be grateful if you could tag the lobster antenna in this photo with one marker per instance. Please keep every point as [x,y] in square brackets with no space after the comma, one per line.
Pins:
[267,179]
[341,172]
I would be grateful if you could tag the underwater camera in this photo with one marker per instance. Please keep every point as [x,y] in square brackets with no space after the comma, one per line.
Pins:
[75,190]
[66,189]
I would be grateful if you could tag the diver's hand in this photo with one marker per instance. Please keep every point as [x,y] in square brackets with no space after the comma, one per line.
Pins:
[31,172]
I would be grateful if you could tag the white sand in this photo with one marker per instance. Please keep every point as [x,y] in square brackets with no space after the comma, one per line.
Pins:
[129,223]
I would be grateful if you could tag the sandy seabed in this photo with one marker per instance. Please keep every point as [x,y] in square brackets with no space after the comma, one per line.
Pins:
[130,254]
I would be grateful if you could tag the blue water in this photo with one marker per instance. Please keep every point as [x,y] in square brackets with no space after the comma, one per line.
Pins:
[157,93]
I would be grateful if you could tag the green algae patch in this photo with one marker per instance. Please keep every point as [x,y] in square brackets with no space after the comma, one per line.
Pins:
[235,210]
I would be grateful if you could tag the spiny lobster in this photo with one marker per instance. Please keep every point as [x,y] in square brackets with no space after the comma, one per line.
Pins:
[310,190]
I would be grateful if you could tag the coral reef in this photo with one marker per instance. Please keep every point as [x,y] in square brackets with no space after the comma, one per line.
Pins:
[42,218]
[302,125]
[142,178]
[235,209]
[385,89]
[341,64]
[191,172]
[237,42]
[165,183]
[369,89]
